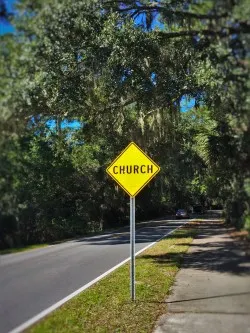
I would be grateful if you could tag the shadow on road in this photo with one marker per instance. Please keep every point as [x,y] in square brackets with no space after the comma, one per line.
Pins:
[145,233]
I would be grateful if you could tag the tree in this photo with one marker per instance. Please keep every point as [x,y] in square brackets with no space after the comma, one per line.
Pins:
[106,65]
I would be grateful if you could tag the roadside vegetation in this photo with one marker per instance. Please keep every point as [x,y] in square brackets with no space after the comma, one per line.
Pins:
[22,249]
[106,306]
[81,79]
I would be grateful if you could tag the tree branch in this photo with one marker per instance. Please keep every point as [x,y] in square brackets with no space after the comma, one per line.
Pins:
[164,10]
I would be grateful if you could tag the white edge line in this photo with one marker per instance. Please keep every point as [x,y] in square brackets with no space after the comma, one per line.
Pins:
[55,306]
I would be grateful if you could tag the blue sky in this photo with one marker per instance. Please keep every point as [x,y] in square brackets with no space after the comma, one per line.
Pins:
[5,27]
[74,124]
[141,20]
[187,103]
[9,4]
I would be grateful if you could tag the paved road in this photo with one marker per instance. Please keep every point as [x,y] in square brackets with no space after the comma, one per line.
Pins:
[32,281]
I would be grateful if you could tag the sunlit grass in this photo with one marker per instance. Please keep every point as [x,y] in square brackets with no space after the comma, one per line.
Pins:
[22,249]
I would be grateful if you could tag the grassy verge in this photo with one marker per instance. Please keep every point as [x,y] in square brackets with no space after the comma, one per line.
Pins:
[22,249]
[106,306]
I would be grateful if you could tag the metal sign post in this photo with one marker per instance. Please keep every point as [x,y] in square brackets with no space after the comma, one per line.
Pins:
[132,170]
[132,248]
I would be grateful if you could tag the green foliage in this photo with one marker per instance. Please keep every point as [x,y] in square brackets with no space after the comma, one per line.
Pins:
[92,61]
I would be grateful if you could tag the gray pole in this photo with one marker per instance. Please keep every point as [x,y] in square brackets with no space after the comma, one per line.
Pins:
[132,248]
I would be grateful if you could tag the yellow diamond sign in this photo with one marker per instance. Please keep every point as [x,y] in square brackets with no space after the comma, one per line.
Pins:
[133,169]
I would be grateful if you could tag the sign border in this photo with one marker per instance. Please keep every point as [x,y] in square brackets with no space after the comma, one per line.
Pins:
[122,152]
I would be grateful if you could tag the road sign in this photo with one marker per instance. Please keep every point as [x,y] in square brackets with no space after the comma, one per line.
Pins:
[133,169]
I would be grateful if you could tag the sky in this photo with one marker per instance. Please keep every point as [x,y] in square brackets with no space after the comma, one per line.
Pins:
[5,27]
[187,103]
[73,124]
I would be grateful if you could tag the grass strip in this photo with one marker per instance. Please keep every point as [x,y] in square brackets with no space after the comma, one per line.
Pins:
[106,306]
[22,249]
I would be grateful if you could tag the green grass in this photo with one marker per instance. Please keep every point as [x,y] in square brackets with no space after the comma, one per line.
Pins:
[106,306]
[22,249]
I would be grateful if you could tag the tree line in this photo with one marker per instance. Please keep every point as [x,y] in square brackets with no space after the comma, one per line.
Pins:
[120,71]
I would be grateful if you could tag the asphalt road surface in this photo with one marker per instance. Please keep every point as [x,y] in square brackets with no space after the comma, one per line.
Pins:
[32,281]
